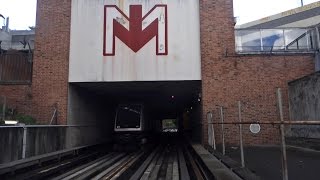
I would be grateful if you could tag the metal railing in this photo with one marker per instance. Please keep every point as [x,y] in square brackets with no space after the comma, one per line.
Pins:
[16,68]
[213,127]
[17,45]
[287,40]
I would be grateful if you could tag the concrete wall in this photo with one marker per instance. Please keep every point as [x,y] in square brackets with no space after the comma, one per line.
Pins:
[304,98]
[41,140]
[88,108]
[11,144]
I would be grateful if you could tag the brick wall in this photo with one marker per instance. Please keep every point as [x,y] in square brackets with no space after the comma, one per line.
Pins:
[51,59]
[18,97]
[227,78]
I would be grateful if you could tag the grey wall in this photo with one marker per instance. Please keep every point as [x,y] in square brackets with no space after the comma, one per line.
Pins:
[304,99]
[10,144]
[88,108]
[41,140]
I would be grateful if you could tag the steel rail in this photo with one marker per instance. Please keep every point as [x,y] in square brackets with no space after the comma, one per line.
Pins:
[68,173]
[127,166]
[195,168]
[139,173]
[108,172]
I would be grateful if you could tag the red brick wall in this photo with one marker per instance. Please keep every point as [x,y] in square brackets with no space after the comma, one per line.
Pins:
[51,59]
[18,97]
[227,78]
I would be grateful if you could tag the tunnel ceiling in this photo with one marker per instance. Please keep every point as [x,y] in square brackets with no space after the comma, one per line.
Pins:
[164,96]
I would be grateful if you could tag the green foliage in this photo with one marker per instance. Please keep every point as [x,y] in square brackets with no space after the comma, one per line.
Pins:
[26,119]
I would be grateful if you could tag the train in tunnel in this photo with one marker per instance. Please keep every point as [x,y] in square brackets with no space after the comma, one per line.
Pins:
[130,127]
[135,125]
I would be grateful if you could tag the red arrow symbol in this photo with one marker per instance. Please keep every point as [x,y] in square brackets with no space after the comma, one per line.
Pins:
[135,38]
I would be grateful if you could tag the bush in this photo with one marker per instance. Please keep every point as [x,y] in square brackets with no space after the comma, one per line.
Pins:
[25,119]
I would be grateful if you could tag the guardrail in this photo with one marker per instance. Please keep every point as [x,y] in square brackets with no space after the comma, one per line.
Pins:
[287,40]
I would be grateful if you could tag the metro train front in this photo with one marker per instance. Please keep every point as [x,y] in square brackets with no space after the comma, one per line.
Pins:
[130,127]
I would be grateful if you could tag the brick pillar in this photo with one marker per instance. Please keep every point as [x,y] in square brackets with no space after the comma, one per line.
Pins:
[217,39]
[51,59]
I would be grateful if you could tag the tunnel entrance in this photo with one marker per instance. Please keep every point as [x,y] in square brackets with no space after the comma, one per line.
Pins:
[166,105]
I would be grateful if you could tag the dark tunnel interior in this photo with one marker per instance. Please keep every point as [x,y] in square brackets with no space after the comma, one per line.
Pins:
[96,104]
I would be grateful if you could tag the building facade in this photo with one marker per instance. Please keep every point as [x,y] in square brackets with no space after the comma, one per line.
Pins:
[226,76]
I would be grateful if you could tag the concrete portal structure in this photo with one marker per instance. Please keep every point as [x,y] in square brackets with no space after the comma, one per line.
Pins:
[69,51]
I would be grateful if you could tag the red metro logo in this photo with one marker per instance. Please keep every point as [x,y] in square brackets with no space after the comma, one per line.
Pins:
[136,30]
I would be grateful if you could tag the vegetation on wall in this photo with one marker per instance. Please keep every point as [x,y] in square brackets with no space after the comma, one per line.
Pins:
[25,119]
[12,114]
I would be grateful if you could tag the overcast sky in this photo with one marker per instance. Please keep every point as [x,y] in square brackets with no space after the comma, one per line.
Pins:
[250,10]
[22,13]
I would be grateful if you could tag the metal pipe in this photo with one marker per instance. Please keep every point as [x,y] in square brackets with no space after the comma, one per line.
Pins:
[240,131]
[283,141]
[274,122]
[214,138]
[47,126]
[24,142]
[53,116]
[222,130]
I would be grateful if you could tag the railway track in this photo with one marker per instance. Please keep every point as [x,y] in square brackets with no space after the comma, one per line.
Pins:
[165,161]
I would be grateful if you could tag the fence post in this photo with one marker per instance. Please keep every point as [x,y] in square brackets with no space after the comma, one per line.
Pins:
[222,131]
[24,142]
[4,108]
[284,39]
[240,131]
[261,41]
[211,137]
[283,141]
[318,36]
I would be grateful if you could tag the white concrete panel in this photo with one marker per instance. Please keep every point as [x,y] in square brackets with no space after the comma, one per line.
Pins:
[88,63]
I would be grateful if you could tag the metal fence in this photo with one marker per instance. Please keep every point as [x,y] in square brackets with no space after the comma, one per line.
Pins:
[16,68]
[277,40]
[243,117]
